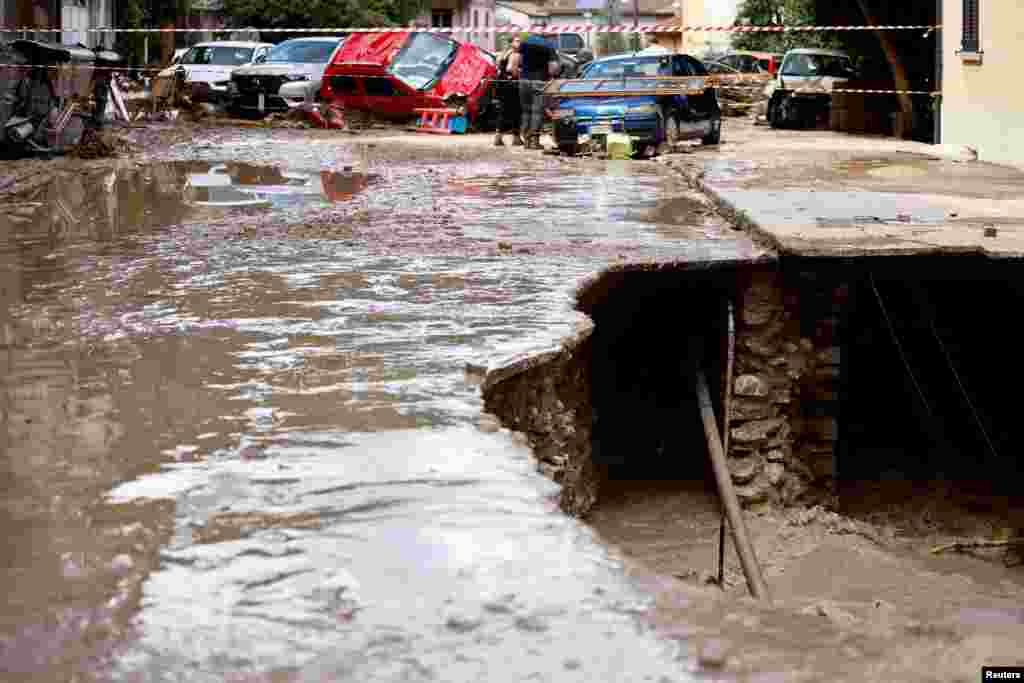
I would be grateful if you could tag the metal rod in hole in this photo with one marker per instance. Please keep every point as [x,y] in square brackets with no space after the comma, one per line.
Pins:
[726,410]
[748,560]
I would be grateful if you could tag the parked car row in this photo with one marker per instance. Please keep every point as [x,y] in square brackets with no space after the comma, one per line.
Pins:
[392,74]
[389,73]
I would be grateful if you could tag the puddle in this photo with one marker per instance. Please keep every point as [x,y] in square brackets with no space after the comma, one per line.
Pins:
[235,184]
[103,204]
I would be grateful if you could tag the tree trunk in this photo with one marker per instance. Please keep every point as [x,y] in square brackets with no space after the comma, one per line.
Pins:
[166,42]
[899,72]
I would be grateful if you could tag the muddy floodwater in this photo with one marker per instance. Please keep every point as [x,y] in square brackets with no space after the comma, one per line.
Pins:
[238,439]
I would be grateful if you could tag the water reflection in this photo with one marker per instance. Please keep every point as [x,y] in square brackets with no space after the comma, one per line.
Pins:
[236,184]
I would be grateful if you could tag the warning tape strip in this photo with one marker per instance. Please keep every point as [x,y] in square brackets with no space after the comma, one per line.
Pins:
[727,82]
[560,28]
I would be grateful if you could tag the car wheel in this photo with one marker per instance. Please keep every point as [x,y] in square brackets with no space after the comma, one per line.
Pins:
[786,112]
[773,112]
[715,136]
[568,148]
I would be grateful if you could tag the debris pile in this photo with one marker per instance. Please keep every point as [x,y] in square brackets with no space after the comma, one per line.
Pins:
[99,144]
[740,100]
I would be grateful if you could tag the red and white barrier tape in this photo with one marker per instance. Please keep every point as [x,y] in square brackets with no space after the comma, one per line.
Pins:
[728,81]
[559,28]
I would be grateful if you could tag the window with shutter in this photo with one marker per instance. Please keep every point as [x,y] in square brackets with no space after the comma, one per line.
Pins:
[969,41]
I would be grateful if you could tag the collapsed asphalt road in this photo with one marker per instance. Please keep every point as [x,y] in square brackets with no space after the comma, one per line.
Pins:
[238,434]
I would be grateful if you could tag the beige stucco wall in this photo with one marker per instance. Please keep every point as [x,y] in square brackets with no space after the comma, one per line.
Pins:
[983,104]
[690,42]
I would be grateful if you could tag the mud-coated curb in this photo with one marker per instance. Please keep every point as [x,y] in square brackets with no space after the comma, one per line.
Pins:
[736,217]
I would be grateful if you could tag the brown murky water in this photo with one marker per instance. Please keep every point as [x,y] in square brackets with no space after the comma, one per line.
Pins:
[237,435]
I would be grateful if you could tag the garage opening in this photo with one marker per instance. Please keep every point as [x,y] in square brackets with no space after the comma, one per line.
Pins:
[928,384]
[652,329]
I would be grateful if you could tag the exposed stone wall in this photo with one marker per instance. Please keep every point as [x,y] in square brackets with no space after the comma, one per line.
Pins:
[783,414]
[547,397]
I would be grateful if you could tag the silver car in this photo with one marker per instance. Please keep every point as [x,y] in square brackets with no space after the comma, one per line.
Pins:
[255,90]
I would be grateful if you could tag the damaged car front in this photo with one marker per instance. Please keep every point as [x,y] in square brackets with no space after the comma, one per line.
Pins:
[393,74]
[206,68]
[801,93]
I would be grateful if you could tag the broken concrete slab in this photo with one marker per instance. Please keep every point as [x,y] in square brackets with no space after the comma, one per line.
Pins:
[824,194]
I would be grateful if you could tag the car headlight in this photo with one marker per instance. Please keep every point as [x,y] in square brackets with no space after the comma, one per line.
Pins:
[563,113]
[643,109]
[296,77]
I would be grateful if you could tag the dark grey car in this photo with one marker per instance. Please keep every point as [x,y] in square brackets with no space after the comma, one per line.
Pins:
[254,89]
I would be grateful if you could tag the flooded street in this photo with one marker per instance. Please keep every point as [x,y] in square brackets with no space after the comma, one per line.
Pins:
[239,441]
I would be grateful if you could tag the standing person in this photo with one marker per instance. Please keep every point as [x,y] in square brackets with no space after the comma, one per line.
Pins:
[538,62]
[507,94]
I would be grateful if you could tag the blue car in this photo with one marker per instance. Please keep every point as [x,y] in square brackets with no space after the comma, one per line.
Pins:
[609,97]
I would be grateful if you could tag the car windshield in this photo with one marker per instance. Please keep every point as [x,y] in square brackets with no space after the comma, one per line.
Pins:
[423,59]
[817,65]
[625,68]
[218,55]
[303,51]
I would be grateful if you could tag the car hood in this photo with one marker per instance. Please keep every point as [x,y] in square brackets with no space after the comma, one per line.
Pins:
[201,73]
[822,83]
[603,106]
[282,69]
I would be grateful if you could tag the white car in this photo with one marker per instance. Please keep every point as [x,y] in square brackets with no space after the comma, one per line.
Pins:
[208,66]
[802,88]
[256,89]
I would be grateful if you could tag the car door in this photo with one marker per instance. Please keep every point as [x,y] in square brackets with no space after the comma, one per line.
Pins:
[681,103]
[704,106]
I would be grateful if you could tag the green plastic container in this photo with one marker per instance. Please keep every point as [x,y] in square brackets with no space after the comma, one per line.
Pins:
[619,146]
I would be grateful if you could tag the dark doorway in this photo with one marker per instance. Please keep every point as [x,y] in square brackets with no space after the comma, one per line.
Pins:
[651,331]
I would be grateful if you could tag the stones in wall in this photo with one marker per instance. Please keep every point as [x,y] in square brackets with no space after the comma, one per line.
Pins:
[782,416]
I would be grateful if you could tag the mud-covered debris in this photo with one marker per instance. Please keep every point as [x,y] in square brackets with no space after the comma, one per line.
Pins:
[831,611]
[122,564]
[713,654]
[100,144]
[287,120]
[475,372]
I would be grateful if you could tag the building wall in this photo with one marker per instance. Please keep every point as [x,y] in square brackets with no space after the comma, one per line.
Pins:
[981,105]
[79,15]
[689,42]
[464,12]
[506,16]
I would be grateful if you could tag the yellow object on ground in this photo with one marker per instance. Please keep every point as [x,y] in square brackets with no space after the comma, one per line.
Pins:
[619,146]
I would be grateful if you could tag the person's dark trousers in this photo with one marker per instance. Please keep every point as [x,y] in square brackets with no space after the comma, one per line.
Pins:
[531,99]
[511,111]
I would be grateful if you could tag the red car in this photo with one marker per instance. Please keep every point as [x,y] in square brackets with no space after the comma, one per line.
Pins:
[394,73]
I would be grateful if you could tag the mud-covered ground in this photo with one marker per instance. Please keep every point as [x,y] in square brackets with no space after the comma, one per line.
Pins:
[241,442]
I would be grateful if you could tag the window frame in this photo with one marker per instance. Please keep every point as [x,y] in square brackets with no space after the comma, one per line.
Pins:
[970,32]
